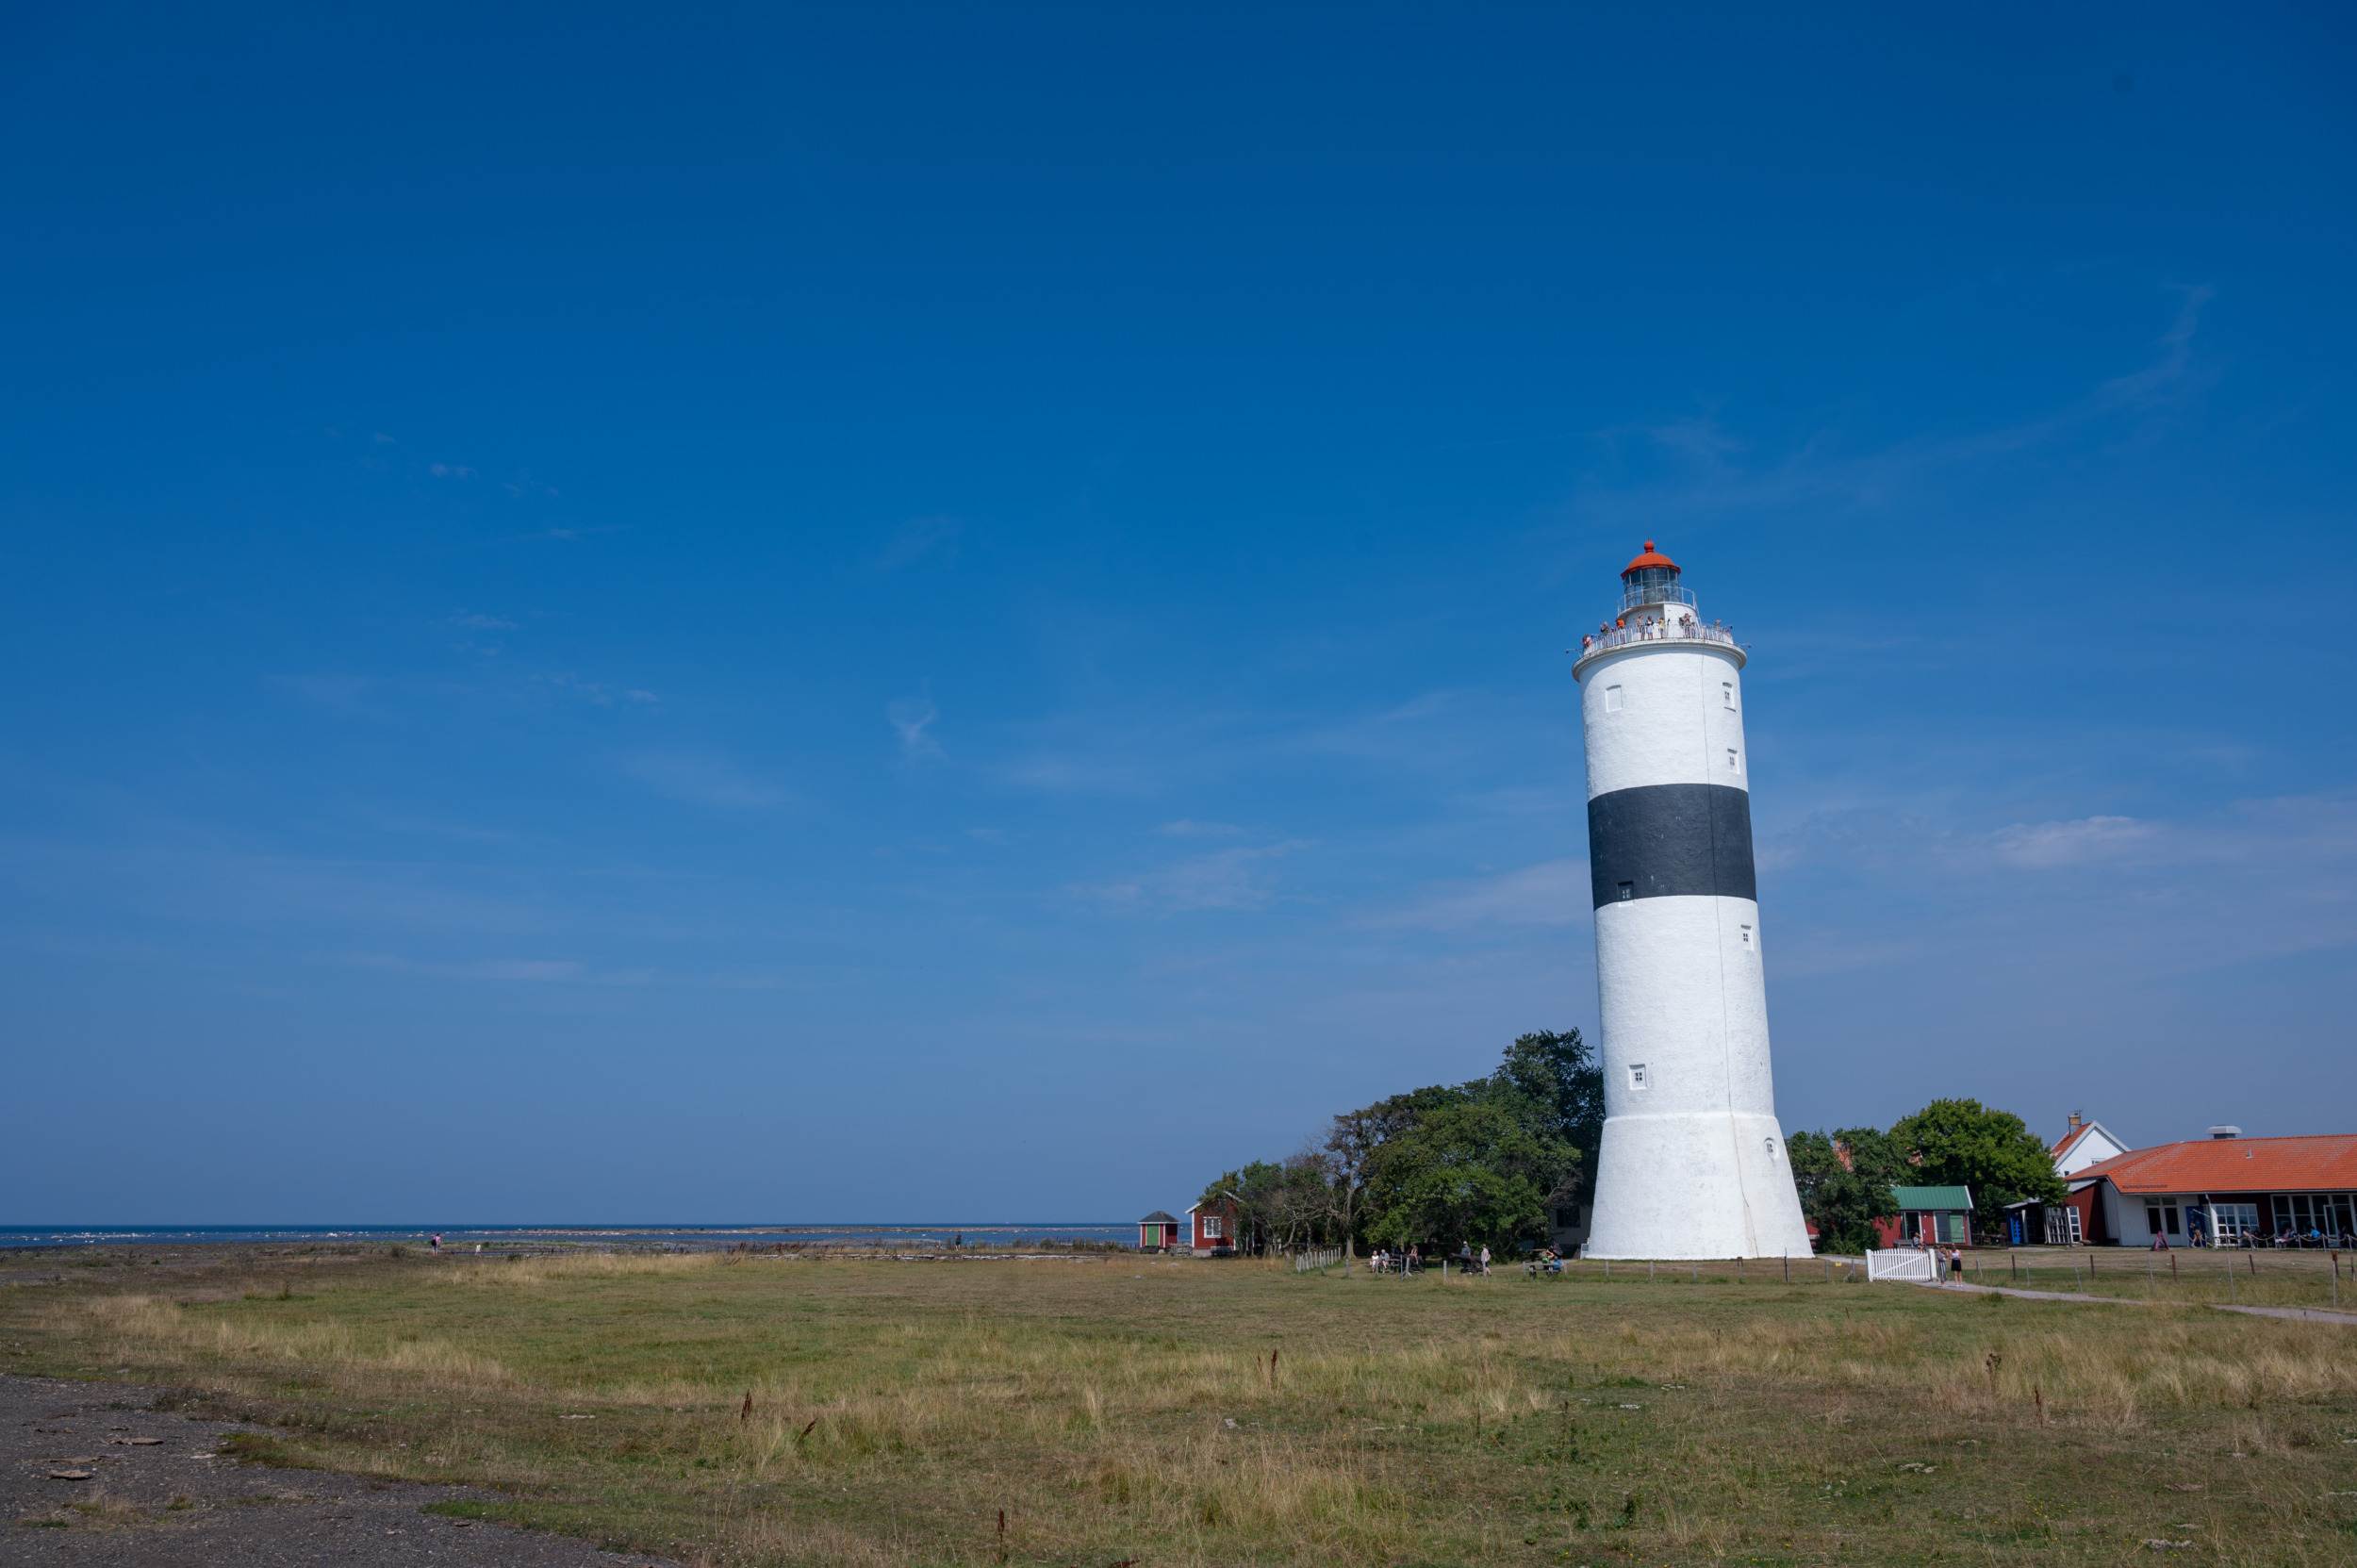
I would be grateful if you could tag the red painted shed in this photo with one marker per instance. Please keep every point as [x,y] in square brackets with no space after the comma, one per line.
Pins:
[1213,1225]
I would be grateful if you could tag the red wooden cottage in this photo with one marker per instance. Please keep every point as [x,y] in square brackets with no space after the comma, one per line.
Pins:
[1215,1227]
[1158,1232]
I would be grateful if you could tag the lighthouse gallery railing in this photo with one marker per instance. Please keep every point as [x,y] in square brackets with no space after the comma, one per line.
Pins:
[1624,635]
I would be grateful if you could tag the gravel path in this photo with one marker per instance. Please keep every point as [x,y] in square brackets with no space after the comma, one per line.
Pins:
[156,1496]
[2298,1315]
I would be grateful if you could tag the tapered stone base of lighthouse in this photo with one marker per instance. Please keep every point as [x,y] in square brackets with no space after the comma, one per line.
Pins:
[1694,1162]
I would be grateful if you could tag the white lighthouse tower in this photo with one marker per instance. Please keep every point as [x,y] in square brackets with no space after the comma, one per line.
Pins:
[1694,1162]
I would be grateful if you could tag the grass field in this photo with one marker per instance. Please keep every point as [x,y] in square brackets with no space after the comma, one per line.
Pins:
[1114,1409]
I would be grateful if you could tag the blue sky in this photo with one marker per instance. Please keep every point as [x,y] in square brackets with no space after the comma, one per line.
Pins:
[912,612]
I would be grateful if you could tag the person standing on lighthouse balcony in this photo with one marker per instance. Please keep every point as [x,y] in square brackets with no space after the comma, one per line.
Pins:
[1693,1162]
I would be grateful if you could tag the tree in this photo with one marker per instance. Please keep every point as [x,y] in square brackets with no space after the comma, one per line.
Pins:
[1845,1182]
[1482,1169]
[1427,1160]
[1559,1071]
[1301,1199]
[1355,1139]
[1962,1142]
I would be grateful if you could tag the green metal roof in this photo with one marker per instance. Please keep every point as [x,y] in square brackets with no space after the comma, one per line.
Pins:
[1932,1198]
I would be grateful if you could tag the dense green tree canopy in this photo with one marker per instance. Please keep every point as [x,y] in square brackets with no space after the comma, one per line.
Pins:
[1481,1161]
[1964,1143]
[1845,1183]
[1846,1180]
[1559,1071]
[1482,1169]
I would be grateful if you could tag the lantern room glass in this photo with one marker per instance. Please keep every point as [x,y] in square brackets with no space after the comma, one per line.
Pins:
[1652,585]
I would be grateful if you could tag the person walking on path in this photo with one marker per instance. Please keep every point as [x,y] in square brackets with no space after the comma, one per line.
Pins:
[1485,1262]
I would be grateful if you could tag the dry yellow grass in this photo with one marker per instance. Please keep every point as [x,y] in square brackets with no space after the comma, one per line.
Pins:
[1226,1413]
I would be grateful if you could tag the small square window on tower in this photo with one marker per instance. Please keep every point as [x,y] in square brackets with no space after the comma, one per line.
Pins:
[1628,892]
[1726,690]
[1612,702]
[1733,765]
[1750,943]
[1637,1075]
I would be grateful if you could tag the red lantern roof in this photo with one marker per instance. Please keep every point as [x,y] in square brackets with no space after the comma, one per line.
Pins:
[1648,559]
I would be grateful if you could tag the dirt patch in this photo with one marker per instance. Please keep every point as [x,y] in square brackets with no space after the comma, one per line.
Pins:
[163,1489]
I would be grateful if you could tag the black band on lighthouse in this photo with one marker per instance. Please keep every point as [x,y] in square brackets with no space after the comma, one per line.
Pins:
[1666,840]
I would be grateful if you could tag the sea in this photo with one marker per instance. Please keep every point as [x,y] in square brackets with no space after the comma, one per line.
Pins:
[548,1238]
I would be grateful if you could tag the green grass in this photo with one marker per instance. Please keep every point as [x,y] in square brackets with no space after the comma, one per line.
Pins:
[1127,1409]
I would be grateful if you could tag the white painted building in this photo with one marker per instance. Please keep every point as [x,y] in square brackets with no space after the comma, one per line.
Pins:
[2086,1144]
[1694,1162]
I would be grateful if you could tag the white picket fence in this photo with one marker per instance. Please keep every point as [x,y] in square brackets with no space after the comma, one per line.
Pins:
[1914,1268]
[1311,1260]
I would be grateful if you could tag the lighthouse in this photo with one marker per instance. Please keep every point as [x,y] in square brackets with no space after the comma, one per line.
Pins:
[1694,1162]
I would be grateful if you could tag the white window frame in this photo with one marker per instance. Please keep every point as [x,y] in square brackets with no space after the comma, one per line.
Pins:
[1211,1228]
[2232,1222]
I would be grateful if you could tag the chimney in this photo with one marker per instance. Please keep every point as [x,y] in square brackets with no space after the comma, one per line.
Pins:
[2226,1133]
[2074,1121]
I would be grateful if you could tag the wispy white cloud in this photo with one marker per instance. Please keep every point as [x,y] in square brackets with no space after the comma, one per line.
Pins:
[1228,879]
[704,780]
[912,719]
[483,622]
[2089,838]
[2112,895]
[566,683]
[1714,476]
[450,470]
[1186,827]
[1551,893]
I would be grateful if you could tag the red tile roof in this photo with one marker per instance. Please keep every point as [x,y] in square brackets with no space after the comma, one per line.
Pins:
[2326,1163]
